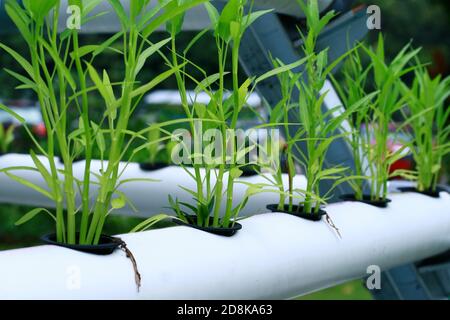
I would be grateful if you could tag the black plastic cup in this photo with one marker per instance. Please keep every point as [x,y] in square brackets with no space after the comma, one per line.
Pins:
[152,166]
[107,244]
[367,200]
[298,212]
[77,159]
[225,232]
[433,194]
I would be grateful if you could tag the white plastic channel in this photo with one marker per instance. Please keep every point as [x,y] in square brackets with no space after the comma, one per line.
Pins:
[274,256]
[149,198]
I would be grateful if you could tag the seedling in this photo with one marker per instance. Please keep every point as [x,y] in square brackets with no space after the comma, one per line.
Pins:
[351,89]
[315,128]
[54,88]
[58,90]
[221,113]
[428,121]
[136,29]
[389,100]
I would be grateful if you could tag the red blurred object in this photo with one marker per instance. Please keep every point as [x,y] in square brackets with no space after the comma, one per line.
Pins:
[402,164]
[40,130]
[440,65]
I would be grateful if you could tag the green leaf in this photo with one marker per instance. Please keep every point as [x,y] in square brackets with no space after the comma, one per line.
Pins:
[147,53]
[99,138]
[27,82]
[153,135]
[230,13]
[39,9]
[147,224]
[168,15]
[213,14]
[40,166]
[252,17]
[156,81]
[194,41]
[104,87]
[175,25]
[19,18]
[60,64]
[31,214]
[20,60]
[236,173]
[118,203]
[30,185]
[120,11]
[436,168]
[243,92]
[83,51]
[235,29]
[207,82]
[136,7]
[107,44]
[12,113]
[281,69]
[78,3]
[125,181]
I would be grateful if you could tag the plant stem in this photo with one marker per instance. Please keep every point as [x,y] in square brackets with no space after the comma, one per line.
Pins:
[237,107]
[88,143]
[185,104]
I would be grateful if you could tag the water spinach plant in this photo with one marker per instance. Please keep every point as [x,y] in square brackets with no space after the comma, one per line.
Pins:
[370,124]
[54,88]
[389,100]
[58,90]
[314,128]
[215,173]
[351,89]
[427,117]
[137,27]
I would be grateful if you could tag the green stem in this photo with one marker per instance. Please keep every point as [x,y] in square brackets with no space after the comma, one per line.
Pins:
[88,142]
[236,109]
[109,178]
[60,237]
[185,105]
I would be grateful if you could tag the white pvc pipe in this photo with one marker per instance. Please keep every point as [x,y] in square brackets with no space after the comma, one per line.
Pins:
[274,256]
[173,98]
[14,192]
[149,198]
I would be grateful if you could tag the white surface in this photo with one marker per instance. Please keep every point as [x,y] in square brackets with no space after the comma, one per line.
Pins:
[14,192]
[274,256]
[149,198]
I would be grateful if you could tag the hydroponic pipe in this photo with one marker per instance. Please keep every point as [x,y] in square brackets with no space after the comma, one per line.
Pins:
[274,256]
[196,19]
[148,198]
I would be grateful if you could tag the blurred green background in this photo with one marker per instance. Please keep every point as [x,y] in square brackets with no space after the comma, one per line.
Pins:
[424,22]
